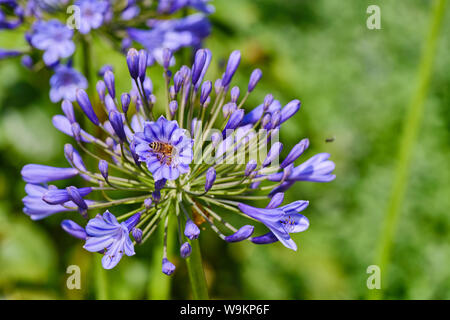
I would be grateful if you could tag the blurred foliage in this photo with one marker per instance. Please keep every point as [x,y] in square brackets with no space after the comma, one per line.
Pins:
[354,85]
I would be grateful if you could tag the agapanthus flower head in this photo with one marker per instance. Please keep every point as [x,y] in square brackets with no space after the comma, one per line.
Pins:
[188,164]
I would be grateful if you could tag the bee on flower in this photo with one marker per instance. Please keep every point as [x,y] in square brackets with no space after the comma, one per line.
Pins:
[203,156]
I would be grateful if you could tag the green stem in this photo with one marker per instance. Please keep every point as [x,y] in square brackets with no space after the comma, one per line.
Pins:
[101,289]
[196,272]
[406,144]
[87,67]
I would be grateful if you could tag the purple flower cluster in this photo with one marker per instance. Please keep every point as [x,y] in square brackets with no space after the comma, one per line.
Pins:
[203,156]
[56,39]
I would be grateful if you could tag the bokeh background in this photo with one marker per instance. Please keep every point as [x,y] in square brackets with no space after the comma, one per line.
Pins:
[355,85]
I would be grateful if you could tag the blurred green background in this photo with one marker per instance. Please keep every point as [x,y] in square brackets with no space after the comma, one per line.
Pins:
[355,84]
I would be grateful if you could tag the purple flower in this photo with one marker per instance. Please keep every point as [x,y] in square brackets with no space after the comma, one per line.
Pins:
[172,34]
[92,14]
[37,173]
[37,208]
[132,138]
[65,83]
[233,63]
[165,148]
[254,115]
[54,38]
[17,13]
[185,250]
[281,221]
[61,196]
[105,232]
[316,169]
[171,6]
[131,10]
[242,234]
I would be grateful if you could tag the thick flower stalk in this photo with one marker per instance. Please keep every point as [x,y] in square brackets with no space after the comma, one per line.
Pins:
[55,29]
[205,156]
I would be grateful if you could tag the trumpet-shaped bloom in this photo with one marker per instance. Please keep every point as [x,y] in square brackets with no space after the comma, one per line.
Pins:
[281,221]
[172,151]
[106,233]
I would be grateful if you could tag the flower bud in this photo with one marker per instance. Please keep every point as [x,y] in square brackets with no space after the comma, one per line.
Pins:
[166,58]
[251,166]
[178,80]
[76,131]
[206,90]
[133,63]
[242,234]
[106,67]
[67,108]
[289,110]
[235,92]
[254,79]
[234,121]
[77,198]
[74,229]
[101,89]
[295,153]
[218,85]
[68,152]
[156,195]
[110,104]
[276,200]
[125,99]
[233,63]
[110,83]
[116,120]
[268,99]
[265,239]
[274,152]
[199,62]
[228,108]
[276,119]
[185,250]
[167,267]
[191,231]
[173,107]
[86,106]
[148,203]
[27,61]
[265,122]
[137,235]
[216,138]
[103,167]
[142,64]
[210,178]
